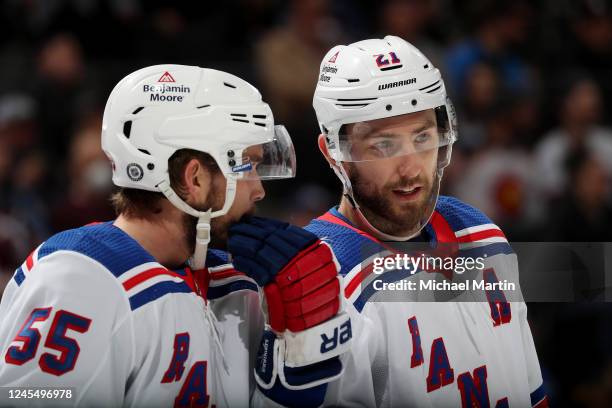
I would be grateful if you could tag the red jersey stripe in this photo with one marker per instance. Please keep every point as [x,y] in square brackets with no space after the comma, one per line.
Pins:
[150,273]
[226,274]
[444,232]
[30,260]
[335,220]
[476,236]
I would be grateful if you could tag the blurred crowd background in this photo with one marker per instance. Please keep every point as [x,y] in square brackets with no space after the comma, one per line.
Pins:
[531,81]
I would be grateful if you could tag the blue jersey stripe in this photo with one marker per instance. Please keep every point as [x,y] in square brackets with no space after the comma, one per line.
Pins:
[157,291]
[369,290]
[538,395]
[105,243]
[19,276]
[216,292]
[460,215]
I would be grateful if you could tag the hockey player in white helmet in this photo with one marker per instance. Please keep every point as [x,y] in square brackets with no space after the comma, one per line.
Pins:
[139,311]
[387,130]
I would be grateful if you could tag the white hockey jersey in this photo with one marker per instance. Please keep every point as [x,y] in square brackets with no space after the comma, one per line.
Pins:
[433,354]
[90,309]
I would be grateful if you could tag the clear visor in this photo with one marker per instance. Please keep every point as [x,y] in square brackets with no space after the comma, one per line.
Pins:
[271,160]
[402,135]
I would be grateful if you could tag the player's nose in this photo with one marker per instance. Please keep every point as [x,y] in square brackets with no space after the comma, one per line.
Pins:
[409,166]
[257,190]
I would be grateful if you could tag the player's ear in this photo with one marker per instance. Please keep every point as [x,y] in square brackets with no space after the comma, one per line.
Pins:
[322,141]
[196,181]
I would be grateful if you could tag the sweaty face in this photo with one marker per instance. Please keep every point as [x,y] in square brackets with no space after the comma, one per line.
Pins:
[397,192]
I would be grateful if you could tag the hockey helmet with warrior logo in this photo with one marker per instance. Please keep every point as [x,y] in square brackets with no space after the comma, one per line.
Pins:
[377,79]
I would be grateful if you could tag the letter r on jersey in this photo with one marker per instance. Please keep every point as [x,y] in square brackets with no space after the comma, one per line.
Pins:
[179,356]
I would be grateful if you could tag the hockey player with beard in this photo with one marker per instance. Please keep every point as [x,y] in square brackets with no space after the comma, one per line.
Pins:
[112,313]
[387,132]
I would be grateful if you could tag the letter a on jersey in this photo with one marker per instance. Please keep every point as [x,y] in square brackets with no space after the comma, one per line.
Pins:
[194,392]
[440,371]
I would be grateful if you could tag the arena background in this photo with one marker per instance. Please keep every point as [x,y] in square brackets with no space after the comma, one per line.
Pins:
[532,83]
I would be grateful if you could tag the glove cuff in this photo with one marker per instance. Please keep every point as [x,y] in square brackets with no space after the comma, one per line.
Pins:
[324,341]
[306,359]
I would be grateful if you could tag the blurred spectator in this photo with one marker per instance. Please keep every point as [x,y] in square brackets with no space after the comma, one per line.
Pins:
[482,93]
[27,202]
[412,21]
[18,127]
[88,180]
[501,26]
[288,57]
[584,212]
[60,90]
[17,133]
[591,50]
[579,117]
[499,178]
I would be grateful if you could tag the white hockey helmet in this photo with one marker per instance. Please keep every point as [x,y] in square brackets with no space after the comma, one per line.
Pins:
[376,79]
[155,111]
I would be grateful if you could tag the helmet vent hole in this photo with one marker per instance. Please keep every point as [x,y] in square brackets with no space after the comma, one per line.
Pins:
[144,151]
[150,166]
[127,128]
[229,85]
[137,110]
[392,67]
[388,107]
[259,116]
[242,115]
[260,124]
[353,80]
[414,102]
[240,120]
[203,106]
[426,66]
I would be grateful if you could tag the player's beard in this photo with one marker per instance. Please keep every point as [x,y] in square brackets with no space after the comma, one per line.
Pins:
[219,226]
[386,214]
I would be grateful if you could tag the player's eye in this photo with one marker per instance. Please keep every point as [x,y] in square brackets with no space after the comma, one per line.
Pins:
[385,147]
[422,138]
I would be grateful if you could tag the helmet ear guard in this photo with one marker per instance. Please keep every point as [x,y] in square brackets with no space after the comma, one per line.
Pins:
[376,79]
[158,110]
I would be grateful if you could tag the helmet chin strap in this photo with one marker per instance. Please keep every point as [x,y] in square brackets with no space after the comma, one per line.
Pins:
[372,230]
[198,260]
